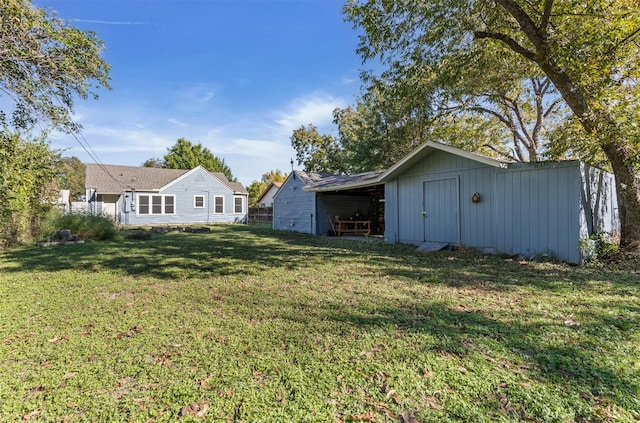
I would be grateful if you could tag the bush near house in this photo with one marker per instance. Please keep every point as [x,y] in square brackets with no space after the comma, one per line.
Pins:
[87,226]
[247,324]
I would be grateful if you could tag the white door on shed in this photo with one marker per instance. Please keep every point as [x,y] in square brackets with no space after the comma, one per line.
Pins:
[441,211]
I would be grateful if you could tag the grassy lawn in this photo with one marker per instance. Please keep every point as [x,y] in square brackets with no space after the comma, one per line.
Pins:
[252,325]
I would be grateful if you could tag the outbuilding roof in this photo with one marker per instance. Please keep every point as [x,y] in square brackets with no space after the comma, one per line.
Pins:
[325,183]
[115,179]
[345,182]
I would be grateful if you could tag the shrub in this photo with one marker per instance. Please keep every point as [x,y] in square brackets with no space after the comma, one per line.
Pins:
[88,226]
[599,245]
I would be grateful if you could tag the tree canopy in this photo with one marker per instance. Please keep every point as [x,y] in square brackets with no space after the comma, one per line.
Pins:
[257,188]
[44,65]
[27,189]
[71,173]
[588,51]
[185,155]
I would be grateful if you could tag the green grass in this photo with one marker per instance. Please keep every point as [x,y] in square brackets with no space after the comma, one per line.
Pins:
[261,326]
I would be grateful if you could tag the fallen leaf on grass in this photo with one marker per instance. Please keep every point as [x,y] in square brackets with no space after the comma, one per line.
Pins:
[281,398]
[198,409]
[571,321]
[428,373]
[395,396]
[34,413]
[434,403]
[367,417]
[226,393]
[408,417]
[205,385]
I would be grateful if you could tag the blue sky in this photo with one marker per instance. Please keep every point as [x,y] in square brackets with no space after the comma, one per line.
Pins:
[237,76]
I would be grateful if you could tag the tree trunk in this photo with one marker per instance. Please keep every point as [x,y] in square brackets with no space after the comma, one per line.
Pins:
[628,189]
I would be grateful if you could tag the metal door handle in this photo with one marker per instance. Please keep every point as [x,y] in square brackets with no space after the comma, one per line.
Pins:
[424,213]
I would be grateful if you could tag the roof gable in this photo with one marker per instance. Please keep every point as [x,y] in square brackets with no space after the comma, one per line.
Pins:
[273,186]
[429,147]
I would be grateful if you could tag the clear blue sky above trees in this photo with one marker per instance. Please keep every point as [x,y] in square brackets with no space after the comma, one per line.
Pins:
[236,76]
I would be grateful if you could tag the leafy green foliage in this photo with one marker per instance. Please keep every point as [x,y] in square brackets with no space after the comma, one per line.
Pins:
[71,176]
[86,226]
[27,191]
[316,152]
[153,162]
[257,188]
[185,155]
[45,64]
[256,325]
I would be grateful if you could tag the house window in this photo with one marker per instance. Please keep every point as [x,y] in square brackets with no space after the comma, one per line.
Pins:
[156,204]
[143,204]
[198,201]
[218,202]
[237,204]
[169,206]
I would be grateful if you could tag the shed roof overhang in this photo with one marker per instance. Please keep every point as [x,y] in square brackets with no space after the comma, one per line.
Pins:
[345,182]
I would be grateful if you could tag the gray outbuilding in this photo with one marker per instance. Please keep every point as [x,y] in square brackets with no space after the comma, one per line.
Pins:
[443,195]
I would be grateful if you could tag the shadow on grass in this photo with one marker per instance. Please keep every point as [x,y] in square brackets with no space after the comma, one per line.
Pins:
[228,250]
[248,250]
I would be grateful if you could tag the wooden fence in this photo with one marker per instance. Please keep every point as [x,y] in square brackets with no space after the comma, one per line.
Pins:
[261,214]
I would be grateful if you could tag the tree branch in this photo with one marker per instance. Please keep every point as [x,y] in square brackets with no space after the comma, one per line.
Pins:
[510,42]
[546,15]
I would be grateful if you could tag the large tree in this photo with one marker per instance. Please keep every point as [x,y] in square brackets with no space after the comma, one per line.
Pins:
[71,175]
[185,155]
[44,65]
[257,188]
[317,152]
[589,51]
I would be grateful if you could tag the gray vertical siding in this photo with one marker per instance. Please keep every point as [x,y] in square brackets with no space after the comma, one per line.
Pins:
[539,210]
[527,209]
[293,208]
[404,221]
[391,212]
[199,182]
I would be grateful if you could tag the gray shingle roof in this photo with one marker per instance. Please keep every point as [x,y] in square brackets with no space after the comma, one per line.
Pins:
[115,179]
[326,182]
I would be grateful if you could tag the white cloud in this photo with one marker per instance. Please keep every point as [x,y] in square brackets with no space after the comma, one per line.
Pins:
[316,109]
[177,122]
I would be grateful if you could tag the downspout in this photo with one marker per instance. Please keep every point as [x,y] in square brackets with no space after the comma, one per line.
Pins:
[208,204]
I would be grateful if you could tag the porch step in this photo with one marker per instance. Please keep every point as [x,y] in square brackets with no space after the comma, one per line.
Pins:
[431,246]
